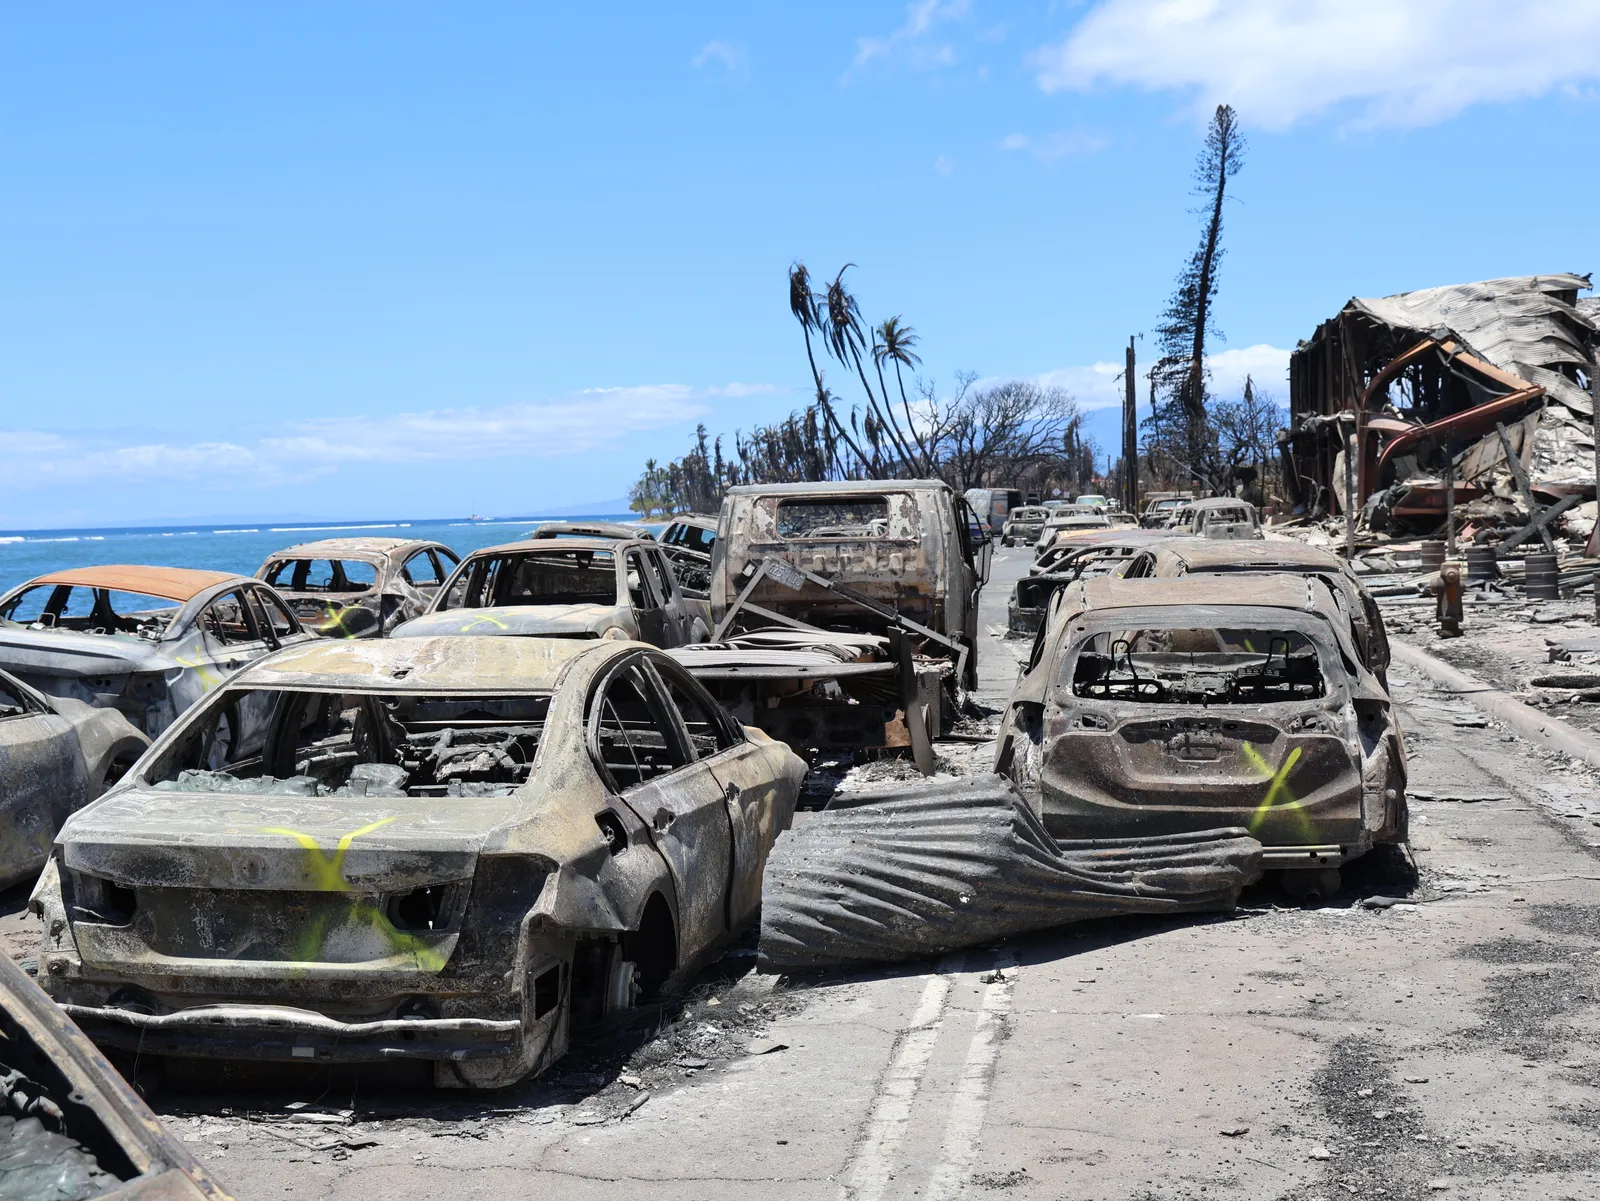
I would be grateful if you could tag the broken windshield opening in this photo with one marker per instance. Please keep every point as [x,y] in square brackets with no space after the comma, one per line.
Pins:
[834,517]
[553,577]
[321,744]
[322,575]
[1197,666]
[90,610]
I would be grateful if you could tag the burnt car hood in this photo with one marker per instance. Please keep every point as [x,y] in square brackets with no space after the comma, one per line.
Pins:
[148,838]
[71,653]
[515,620]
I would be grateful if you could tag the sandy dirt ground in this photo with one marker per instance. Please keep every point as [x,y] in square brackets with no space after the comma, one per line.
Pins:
[1445,1045]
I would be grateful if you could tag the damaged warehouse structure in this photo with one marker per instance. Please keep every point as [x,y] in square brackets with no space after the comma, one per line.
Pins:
[1396,400]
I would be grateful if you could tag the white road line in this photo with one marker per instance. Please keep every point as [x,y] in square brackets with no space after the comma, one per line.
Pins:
[873,1162]
[970,1101]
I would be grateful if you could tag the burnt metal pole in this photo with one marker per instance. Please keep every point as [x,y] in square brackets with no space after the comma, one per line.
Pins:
[1130,438]
[1594,536]
[1449,501]
[1349,499]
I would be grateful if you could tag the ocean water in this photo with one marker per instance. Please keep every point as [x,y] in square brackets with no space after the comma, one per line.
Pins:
[240,548]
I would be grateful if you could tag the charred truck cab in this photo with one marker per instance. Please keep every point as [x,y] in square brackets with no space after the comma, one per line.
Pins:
[1167,706]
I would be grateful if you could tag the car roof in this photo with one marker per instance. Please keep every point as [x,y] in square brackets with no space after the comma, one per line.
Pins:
[1220,502]
[334,548]
[1264,592]
[835,487]
[168,583]
[454,664]
[698,520]
[1203,554]
[552,546]
[614,530]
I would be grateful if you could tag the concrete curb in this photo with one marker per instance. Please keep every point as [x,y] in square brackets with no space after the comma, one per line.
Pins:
[1525,720]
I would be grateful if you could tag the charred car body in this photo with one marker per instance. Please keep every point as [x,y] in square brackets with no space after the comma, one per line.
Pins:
[1166,706]
[1024,525]
[1283,556]
[566,587]
[55,755]
[876,575]
[450,851]
[146,641]
[1218,517]
[1083,556]
[73,1128]
[359,587]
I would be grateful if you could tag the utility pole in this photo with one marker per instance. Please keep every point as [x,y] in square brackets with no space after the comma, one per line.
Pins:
[1130,443]
[1594,537]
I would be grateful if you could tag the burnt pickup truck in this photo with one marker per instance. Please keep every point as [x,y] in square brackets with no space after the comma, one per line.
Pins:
[890,564]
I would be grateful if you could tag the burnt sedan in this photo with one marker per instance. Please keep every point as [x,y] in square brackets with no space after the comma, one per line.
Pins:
[452,850]
[565,588]
[359,587]
[55,755]
[1168,706]
[146,641]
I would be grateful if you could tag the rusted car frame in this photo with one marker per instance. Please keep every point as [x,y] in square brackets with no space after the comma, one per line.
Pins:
[1085,555]
[71,634]
[452,851]
[566,587]
[1024,525]
[358,587]
[90,1134]
[1167,706]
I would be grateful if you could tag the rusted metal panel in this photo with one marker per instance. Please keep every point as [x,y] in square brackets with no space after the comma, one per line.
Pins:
[168,583]
[916,871]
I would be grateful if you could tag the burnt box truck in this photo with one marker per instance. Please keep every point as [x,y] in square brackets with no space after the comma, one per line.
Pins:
[846,613]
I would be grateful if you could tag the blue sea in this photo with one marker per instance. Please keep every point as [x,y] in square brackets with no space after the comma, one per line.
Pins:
[241,548]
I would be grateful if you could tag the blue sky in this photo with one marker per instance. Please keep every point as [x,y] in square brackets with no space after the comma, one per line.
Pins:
[409,260]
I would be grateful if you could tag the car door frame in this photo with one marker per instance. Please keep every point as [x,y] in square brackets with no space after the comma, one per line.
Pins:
[675,807]
[676,608]
[647,622]
[749,789]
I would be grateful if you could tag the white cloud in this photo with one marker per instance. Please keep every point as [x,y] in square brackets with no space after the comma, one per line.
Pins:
[944,166]
[730,55]
[1100,385]
[913,42]
[1396,62]
[591,420]
[1047,148]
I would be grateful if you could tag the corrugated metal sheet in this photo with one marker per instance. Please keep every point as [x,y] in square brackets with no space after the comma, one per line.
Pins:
[919,870]
[1522,325]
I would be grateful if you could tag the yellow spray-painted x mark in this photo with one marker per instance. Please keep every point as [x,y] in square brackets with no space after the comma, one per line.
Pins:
[327,875]
[484,620]
[1278,794]
[207,680]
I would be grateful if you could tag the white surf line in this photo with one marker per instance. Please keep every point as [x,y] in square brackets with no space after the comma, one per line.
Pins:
[970,1101]
[873,1162]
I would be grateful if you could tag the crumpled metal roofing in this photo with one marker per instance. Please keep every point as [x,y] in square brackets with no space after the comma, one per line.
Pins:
[927,868]
[1519,324]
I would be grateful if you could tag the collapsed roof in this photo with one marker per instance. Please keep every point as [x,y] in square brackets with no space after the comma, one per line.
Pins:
[1412,381]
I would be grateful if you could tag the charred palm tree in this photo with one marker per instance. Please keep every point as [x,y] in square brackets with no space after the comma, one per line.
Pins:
[845,340]
[803,304]
[894,342]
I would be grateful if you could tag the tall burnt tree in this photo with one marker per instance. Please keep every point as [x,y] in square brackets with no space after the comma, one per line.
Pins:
[1179,425]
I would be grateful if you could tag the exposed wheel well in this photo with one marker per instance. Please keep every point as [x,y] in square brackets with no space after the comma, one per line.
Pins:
[653,947]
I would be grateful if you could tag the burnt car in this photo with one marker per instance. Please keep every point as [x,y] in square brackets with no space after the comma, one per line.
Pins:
[146,641]
[1218,517]
[358,587]
[1024,525]
[1070,519]
[451,851]
[589,529]
[564,588]
[1283,556]
[1168,706]
[859,557]
[1084,555]
[76,1130]
[55,756]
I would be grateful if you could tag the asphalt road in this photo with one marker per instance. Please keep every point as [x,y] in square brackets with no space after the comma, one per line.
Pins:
[1442,1047]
